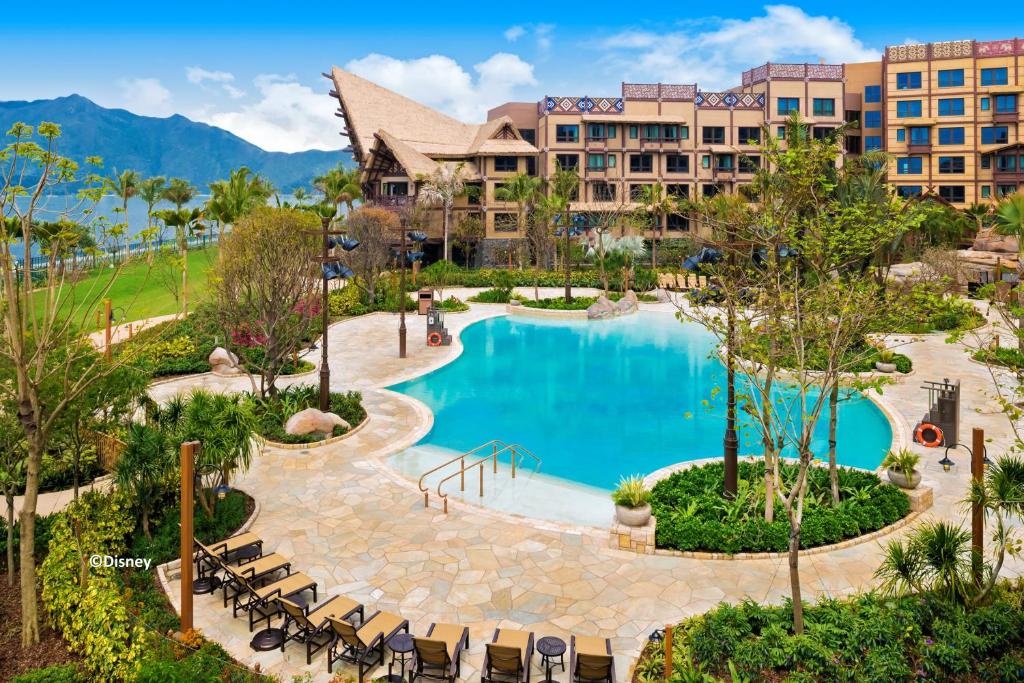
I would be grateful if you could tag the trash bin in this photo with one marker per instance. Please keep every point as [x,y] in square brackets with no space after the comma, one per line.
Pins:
[425,300]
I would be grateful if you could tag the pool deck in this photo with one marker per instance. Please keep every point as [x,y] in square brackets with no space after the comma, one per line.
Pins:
[348,519]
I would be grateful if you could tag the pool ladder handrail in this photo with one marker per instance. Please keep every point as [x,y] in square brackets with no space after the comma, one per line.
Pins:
[498,447]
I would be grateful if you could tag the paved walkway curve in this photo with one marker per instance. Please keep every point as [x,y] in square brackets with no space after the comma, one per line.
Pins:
[350,521]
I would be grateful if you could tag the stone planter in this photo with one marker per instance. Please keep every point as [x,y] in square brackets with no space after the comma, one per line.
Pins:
[633,516]
[897,477]
[885,367]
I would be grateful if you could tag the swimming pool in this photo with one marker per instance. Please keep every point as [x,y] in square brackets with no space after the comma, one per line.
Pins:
[600,400]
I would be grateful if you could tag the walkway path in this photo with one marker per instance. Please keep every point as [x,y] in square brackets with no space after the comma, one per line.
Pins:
[356,526]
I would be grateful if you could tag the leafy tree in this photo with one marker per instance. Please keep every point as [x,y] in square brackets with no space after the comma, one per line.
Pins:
[522,190]
[599,238]
[338,186]
[12,475]
[237,196]
[375,230]
[655,205]
[179,192]
[266,285]
[441,188]
[468,233]
[151,191]
[185,223]
[124,186]
[143,467]
[1010,221]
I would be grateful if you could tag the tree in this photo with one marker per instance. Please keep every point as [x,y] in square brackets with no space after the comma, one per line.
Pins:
[522,190]
[599,238]
[124,186]
[441,188]
[655,204]
[339,186]
[151,191]
[468,233]
[237,196]
[12,476]
[142,468]
[266,285]
[185,223]
[179,192]
[375,229]
[1010,221]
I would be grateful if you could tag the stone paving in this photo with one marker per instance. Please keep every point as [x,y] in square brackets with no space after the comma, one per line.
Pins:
[351,522]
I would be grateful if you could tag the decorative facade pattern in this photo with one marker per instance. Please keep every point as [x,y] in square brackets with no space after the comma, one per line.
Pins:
[814,72]
[825,72]
[582,105]
[729,100]
[952,49]
[906,53]
[955,49]
[659,91]
[998,48]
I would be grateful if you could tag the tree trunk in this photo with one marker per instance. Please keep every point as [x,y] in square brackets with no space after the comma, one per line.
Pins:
[29,602]
[833,471]
[794,576]
[145,524]
[10,535]
[447,253]
[184,276]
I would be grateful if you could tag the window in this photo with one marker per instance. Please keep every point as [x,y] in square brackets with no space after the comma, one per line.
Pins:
[634,132]
[678,191]
[603,192]
[951,78]
[1006,104]
[531,166]
[641,163]
[568,161]
[724,162]
[951,106]
[651,132]
[824,106]
[567,133]
[908,191]
[901,135]
[396,189]
[995,135]
[1006,163]
[749,135]
[713,135]
[908,108]
[505,222]
[670,133]
[711,189]
[678,222]
[705,161]
[684,132]
[984,103]
[473,192]
[951,136]
[505,164]
[781,132]
[611,161]
[852,144]
[852,116]
[785,105]
[986,191]
[908,166]
[596,131]
[996,76]
[951,164]
[872,119]
[529,135]
[920,135]
[1003,190]
[822,132]
[750,164]
[872,143]
[908,80]
[636,191]
[613,130]
[677,163]
[872,93]
[986,161]
[595,162]
[953,193]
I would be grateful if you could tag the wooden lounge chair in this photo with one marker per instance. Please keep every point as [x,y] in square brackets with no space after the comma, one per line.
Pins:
[666,280]
[262,600]
[438,655]
[255,571]
[312,625]
[363,645]
[206,555]
[508,656]
[591,660]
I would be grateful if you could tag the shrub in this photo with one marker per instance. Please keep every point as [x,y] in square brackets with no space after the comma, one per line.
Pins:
[692,515]
[347,301]
[1005,356]
[58,673]
[454,305]
[495,296]
[924,308]
[271,414]
[578,303]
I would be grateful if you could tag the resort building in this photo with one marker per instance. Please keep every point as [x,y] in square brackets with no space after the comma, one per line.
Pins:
[948,113]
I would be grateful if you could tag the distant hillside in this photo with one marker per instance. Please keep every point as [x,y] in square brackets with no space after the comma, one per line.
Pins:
[172,147]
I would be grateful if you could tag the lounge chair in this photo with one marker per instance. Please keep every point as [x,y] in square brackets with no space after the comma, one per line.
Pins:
[207,555]
[261,600]
[363,646]
[438,655]
[508,656]
[591,660]
[312,625]
[666,280]
[255,571]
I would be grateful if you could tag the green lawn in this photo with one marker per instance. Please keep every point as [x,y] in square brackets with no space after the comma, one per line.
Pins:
[140,290]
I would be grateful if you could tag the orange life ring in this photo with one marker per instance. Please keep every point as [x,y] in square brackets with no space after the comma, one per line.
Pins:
[434,339]
[919,435]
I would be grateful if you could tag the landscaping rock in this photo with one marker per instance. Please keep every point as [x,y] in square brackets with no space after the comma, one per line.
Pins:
[601,309]
[663,296]
[627,304]
[311,420]
[989,240]
[223,362]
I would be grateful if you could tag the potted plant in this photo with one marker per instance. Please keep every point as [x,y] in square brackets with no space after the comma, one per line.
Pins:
[901,466]
[884,362]
[631,498]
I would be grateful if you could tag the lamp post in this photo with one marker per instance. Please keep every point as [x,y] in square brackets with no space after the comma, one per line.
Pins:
[406,255]
[730,443]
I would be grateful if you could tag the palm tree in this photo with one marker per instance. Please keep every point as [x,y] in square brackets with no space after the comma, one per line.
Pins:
[441,188]
[151,191]
[179,192]
[184,222]
[1010,221]
[142,467]
[339,186]
[123,185]
[235,197]
[656,205]
[522,190]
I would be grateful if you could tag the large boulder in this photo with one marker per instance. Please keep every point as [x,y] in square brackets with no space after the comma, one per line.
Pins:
[601,309]
[989,240]
[627,304]
[223,362]
[663,296]
[311,420]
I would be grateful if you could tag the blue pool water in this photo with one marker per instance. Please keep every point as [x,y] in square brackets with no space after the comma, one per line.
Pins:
[600,400]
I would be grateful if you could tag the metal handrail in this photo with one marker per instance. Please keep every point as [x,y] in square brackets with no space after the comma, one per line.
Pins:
[516,452]
[423,489]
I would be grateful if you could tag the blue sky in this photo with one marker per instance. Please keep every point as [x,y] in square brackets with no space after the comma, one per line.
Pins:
[256,71]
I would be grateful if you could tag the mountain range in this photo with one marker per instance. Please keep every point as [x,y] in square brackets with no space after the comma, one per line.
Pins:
[175,147]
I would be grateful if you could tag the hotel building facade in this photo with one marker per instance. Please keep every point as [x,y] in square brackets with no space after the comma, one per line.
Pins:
[948,113]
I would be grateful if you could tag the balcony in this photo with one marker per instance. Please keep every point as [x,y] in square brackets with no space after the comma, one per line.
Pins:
[1005,117]
[1007,175]
[393,202]
[919,148]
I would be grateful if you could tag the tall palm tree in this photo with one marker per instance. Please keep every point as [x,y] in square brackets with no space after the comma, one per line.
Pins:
[185,222]
[657,204]
[441,188]
[1010,221]
[339,186]
[123,185]
[233,198]
[151,191]
[522,190]
[179,192]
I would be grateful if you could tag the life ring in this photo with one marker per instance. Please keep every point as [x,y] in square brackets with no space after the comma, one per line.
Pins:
[434,339]
[920,435]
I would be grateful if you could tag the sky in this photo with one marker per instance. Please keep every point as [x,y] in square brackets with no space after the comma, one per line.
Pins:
[255,69]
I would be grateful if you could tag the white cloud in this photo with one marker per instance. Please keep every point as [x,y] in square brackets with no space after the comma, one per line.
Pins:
[145,96]
[514,33]
[233,92]
[288,117]
[717,52]
[542,34]
[199,75]
[440,82]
